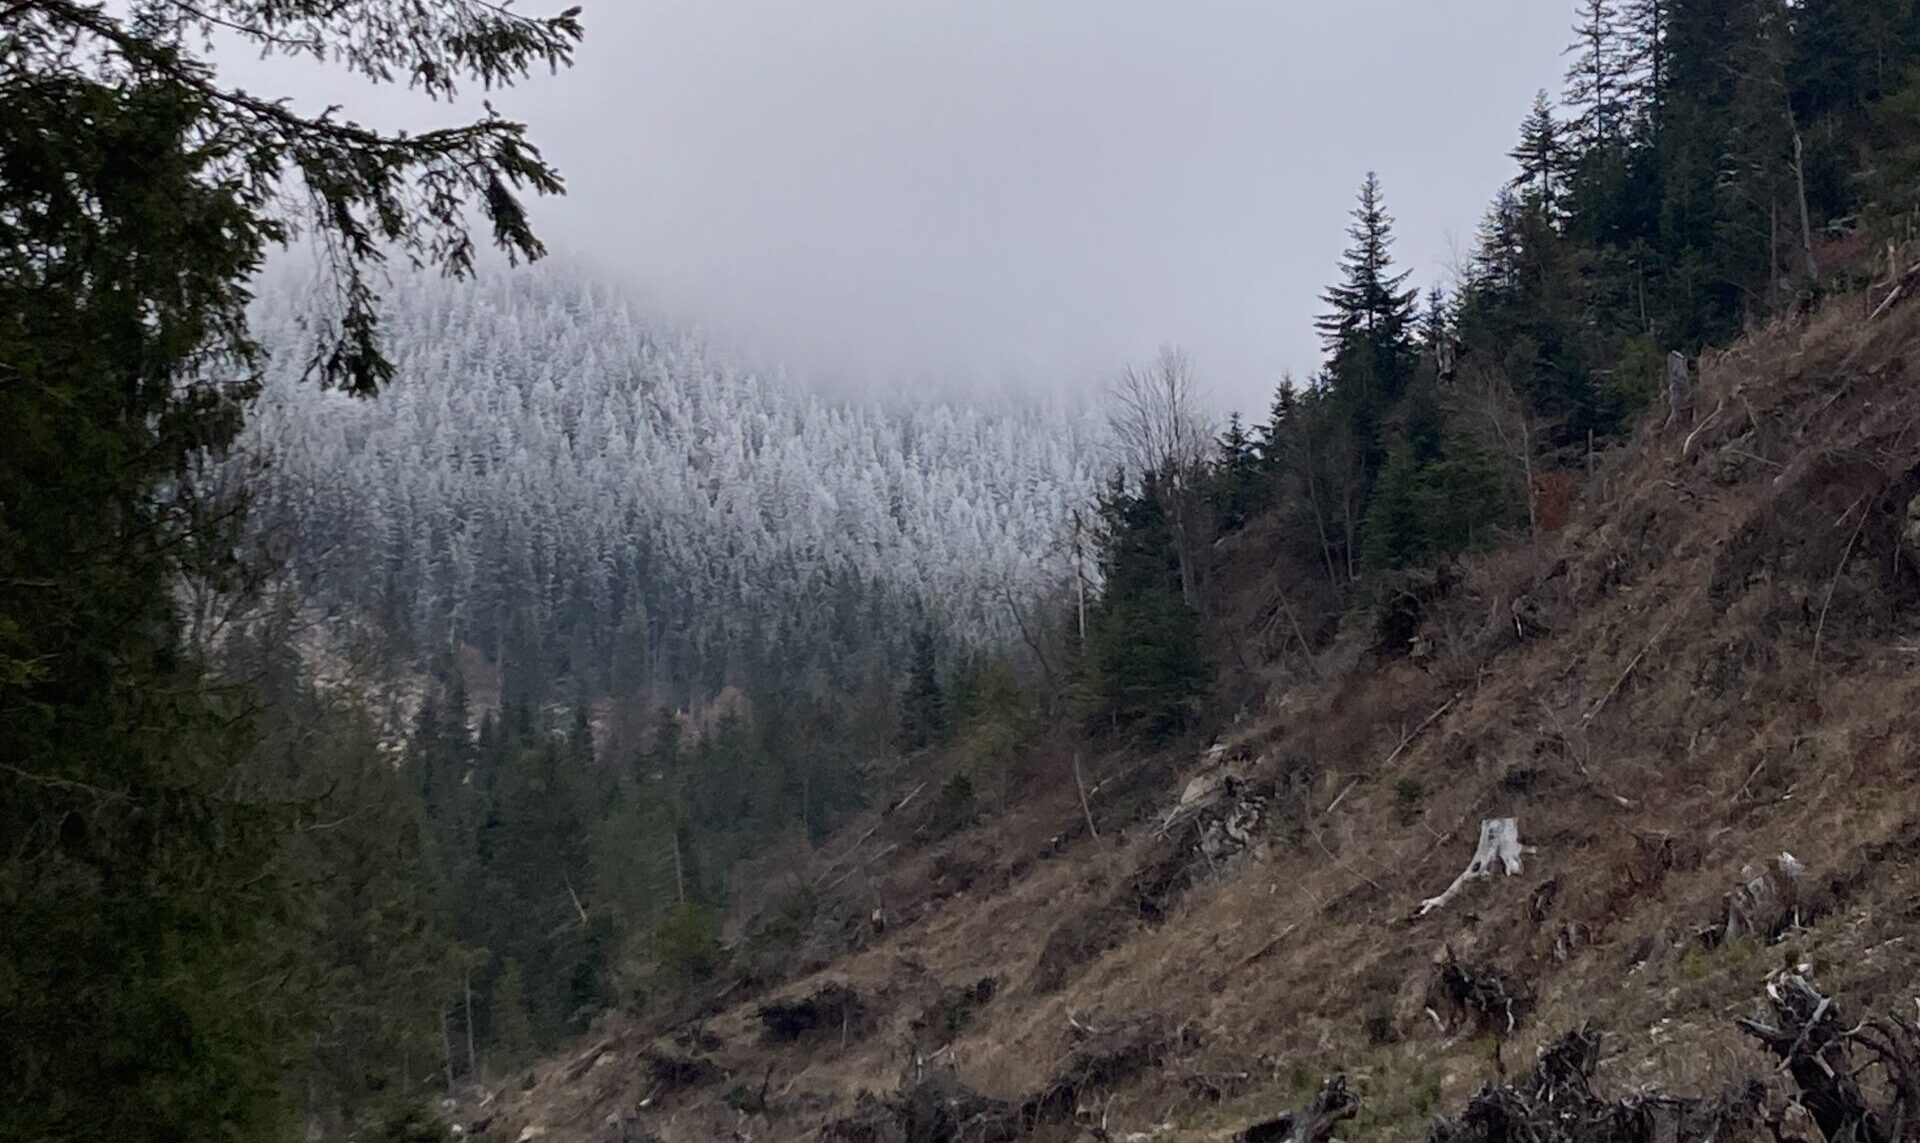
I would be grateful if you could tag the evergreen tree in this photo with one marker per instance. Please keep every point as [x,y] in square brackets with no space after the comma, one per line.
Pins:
[143,879]
[923,714]
[1145,672]
[1541,156]
[1599,84]
[1643,28]
[1239,482]
[1368,328]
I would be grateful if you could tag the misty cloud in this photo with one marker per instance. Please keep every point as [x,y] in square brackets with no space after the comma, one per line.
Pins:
[1023,190]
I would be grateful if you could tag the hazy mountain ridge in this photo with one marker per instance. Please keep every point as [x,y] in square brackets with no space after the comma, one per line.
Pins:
[546,453]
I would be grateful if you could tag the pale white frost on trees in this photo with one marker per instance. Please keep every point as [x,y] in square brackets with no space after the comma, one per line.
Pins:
[548,461]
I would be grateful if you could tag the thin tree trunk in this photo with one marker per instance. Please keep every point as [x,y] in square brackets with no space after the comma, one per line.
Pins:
[1800,185]
[473,1062]
[1320,523]
[446,1046]
[1352,529]
[1640,278]
[1079,576]
[1773,256]
[1085,808]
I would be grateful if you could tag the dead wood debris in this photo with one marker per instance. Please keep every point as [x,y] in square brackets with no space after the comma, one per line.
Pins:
[1555,1103]
[1469,999]
[930,1107]
[1828,1058]
[1335,1104]
[833,1009]
[1499,848]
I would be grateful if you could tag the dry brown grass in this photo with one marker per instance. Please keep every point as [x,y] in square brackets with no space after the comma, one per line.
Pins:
[1713,663]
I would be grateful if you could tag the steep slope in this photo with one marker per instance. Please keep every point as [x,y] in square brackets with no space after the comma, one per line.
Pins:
[1715,663]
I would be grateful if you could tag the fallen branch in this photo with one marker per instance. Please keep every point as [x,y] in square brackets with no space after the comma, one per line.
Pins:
[1317,840]
[1251,958]
[575,897]
[1634,662]
[1820,628]
[1687,445]
[1899,291]
[1314,1123]
[911,795]
[1428,721]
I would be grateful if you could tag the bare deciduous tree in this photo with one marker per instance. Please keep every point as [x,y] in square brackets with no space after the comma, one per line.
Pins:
[1156,418]
[1159,427]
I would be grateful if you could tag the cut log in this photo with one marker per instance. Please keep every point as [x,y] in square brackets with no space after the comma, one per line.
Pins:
[1499,848]
[1314,1123]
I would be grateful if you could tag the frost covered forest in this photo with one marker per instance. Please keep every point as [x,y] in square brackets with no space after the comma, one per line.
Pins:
[603,507]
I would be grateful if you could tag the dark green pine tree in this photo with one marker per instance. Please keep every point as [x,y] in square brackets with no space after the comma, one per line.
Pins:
[1239,480]
[1145,673]
[1368,328]
[1643,35]
[147,884]
[1273,436]
[1600,82]
[1396,532]
[923,708]
[536,866]
[1542,158]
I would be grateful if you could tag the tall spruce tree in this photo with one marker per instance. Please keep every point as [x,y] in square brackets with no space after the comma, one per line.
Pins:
[1368,328]
[1144,670]
[923,713]
[142,873]
[1599,84]
[1541,155]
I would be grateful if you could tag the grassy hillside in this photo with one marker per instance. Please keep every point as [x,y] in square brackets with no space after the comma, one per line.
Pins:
[1713,663]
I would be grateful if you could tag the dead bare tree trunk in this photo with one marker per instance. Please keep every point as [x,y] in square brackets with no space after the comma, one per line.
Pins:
[1800,185]
[446,1046]
[473,1064]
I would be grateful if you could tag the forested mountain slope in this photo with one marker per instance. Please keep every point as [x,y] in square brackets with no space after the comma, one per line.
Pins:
[606,507]
[1696,701]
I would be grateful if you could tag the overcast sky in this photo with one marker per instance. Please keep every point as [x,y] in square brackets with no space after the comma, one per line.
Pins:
[1025,190]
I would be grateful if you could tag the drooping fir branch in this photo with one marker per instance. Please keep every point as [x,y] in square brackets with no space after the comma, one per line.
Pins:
[361,193]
